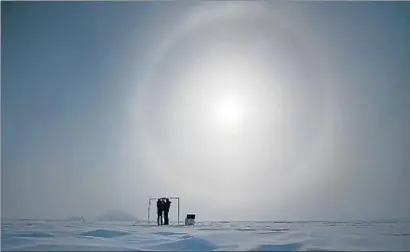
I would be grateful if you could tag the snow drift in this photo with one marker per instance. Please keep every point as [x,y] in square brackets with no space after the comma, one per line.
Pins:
[28,235]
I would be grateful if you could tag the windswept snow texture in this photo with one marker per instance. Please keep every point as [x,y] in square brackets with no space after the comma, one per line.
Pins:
[52,235]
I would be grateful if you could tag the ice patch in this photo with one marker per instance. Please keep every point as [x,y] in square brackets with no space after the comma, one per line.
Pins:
[104,233]
[208,229]
[278,247]
[9,241]
[62,247]
[246,229]
[398,234]
[34,235]
[274,231]
[189,244]
[171,233]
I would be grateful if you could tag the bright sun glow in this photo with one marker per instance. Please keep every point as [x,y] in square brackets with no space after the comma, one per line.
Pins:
[228,112]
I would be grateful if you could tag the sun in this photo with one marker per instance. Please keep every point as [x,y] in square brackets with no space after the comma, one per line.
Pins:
[228,112]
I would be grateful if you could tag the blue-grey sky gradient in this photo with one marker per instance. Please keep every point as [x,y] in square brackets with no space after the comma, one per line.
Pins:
[101,105]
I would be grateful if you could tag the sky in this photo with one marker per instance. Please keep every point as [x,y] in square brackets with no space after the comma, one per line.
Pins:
[245,110]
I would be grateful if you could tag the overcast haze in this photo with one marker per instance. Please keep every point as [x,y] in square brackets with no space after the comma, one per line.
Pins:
[246,110]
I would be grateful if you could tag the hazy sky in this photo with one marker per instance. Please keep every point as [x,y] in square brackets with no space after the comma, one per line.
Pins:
[246,110]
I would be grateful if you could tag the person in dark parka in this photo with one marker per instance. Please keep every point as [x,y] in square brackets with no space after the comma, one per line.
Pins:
[166,207]
[160,209]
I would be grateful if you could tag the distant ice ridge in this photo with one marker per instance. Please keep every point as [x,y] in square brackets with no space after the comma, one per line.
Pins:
[75,218]
[19,235]
[116,215]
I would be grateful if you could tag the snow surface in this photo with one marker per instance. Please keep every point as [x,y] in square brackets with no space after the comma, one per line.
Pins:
[73,235]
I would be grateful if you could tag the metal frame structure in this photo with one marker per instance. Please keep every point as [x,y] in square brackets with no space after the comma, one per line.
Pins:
[149,205]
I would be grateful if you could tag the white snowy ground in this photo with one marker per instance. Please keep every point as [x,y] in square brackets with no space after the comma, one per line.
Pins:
[244,236]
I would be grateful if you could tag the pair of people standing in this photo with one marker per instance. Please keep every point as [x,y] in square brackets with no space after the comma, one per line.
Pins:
[163,206]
